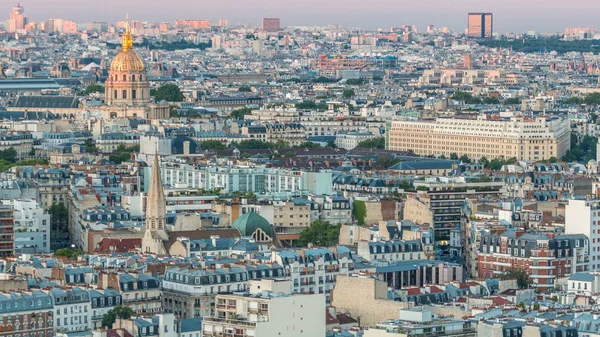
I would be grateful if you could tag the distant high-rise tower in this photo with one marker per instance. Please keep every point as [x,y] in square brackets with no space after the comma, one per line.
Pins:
[468,62]
[271,24]
[481,25]
[17,20]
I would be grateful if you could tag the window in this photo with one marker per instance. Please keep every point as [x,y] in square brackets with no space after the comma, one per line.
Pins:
[133,94]
[124,93]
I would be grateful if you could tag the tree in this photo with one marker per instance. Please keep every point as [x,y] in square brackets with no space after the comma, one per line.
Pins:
[359,211]
[213,145]
[321,234]
[90,146]
[573,100]
[9,155]
[59,216]
[168,92]
[123,153]
[491,100]
[258,144]
[512,100]
[68,253]
[289,154]
[581,151]
[592,99]
[348,93]
[245,88]
[355,81]
[240,113]
[92,88]
[552,160]
[484,161]
[521,275]
[465,97]
[308,145]
[117,312]
[464,158]
[453,156]
[323,79]
[377,78]
[373,143]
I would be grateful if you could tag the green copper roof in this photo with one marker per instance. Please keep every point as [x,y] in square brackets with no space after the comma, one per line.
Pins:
[248,223]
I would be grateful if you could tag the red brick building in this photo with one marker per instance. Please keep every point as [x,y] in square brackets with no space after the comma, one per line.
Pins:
[544,256]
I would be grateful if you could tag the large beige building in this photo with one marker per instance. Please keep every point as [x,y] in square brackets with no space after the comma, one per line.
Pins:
[519,137]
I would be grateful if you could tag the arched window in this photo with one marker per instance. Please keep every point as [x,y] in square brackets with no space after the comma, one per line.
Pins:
[132,78]
[124,78]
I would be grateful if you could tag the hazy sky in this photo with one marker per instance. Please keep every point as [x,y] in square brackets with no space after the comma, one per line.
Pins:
[509,15]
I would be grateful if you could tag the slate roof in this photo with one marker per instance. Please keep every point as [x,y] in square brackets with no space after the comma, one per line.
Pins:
[55,102]
[585,277]
[191,324]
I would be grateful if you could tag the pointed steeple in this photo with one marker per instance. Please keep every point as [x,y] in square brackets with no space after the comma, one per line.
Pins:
[156,203]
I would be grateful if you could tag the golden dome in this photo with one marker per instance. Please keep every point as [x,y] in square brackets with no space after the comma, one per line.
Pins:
[127,59]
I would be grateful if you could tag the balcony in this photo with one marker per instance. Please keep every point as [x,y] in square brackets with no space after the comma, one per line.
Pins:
[142,299]
[228,322]
[542,267]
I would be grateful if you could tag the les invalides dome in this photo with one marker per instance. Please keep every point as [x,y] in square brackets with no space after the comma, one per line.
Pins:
[127,84]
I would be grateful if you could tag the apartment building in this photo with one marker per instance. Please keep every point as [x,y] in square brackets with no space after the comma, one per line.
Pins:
[29,313]
[291,133]
[350,139]
[31,225]
[417,322]
[72,309]
[314,271]
[481,77]
[22,142]
[53,184]
[583,217]
[246,179]
[491,137]
[109,142]
[141,292]
[391,251]
[7,231]
[546,257]
[159,325]
[442,204]
[102,301]
[267,313]
[190,292]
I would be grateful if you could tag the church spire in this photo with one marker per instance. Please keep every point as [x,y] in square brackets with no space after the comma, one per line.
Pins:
[156,203]
[127,37]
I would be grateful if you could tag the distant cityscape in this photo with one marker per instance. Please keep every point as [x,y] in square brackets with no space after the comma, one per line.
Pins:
[198,178]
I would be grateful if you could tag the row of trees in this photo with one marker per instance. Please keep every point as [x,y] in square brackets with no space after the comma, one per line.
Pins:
[373,143]
[583,150]
[123,153]
[589,99]
[467,98]
[540,44]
